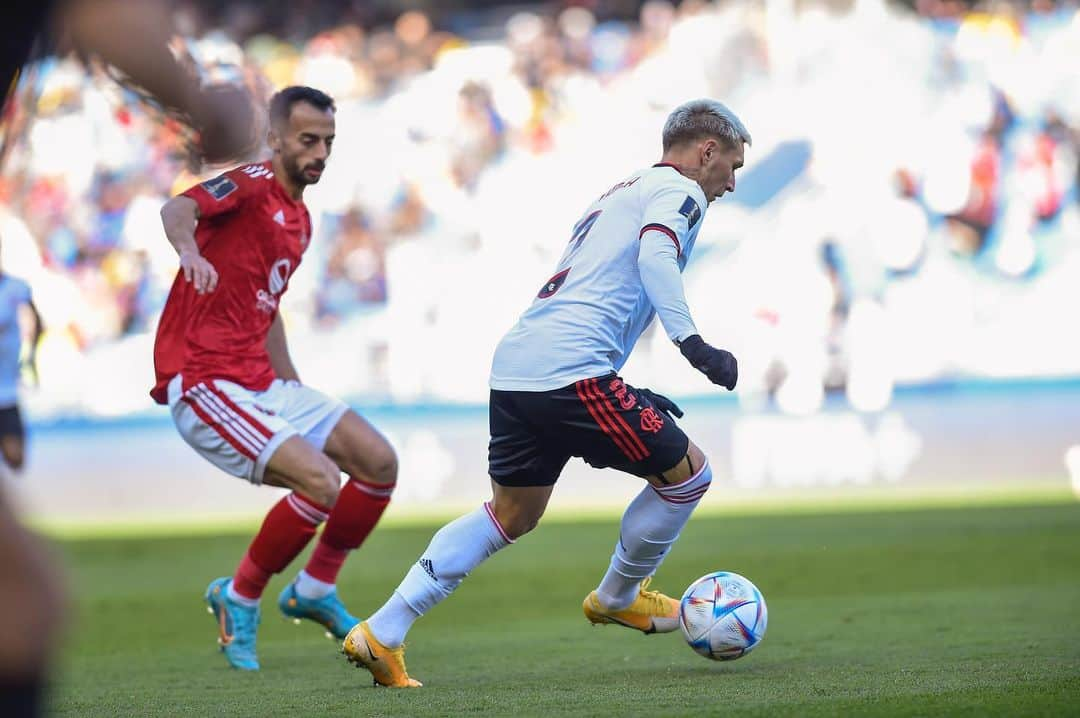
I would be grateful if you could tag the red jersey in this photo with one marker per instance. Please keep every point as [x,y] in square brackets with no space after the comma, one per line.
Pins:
[254,234]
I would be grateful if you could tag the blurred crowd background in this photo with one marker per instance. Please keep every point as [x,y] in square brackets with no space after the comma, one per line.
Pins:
[908,212]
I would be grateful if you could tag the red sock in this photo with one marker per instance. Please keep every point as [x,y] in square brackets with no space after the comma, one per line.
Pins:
[358,508]
[285,532]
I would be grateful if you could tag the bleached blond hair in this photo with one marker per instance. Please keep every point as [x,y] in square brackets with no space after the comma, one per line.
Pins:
[704,118]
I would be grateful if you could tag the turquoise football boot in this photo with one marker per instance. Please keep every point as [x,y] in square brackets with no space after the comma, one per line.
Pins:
[327,611]
[237,625]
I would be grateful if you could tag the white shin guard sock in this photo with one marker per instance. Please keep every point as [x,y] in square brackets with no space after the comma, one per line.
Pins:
[651,524]
[454,551]
[312,588]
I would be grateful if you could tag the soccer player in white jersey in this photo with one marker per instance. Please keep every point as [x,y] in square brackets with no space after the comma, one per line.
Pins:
[14,298]
[555,393]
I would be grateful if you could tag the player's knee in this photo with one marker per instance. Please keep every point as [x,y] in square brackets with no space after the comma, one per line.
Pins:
[378,466]
[384,466]
[324,482]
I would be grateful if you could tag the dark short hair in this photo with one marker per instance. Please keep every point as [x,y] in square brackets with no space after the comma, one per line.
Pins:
[282,102]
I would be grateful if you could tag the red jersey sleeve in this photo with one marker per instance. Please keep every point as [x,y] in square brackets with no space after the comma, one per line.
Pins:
[222,194]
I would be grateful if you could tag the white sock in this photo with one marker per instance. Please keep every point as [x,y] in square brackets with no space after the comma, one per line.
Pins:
[651,524]
[312,588]
[454,551]
[235,597]
[391,622]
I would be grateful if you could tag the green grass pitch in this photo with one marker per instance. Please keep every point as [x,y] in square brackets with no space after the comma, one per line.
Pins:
[912,612]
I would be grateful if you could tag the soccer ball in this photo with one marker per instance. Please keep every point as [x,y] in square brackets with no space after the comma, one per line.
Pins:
[723,616]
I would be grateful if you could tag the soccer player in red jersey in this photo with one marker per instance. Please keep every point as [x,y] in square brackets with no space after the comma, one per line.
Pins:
[224,370]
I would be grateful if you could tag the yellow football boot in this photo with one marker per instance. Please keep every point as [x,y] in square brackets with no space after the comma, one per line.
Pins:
[387,665]
[651,611]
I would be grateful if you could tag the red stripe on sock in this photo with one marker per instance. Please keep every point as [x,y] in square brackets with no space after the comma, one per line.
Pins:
[283,535]
[352,519]
[372,488]
[687,499]
[687,491]
[307,510]
[495,520]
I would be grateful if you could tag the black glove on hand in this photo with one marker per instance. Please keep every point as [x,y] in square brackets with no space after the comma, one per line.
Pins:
[661,402]
[718,365]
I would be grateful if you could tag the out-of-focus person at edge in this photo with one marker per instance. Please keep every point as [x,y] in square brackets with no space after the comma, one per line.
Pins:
[134,39]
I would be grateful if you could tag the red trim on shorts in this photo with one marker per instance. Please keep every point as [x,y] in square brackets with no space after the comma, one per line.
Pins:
[585,395]
[255,423]
[585,389]
[635,440]
[666,230]
[219,428]
[237,426]
[618,424]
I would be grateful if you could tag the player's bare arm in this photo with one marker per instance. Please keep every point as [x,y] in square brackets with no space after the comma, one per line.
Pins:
[278,349]
[179,216]
[135,39]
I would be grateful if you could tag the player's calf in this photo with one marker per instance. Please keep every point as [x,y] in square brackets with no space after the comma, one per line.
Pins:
[518,509]
[649,528]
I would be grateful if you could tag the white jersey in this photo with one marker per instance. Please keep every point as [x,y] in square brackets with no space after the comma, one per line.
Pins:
[589,314]
[13,294]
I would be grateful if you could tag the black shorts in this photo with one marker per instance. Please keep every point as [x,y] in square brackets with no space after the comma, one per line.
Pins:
[11,421]
[603,420]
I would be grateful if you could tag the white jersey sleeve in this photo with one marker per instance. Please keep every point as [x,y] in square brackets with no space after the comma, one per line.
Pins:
[658,263]
[672,205]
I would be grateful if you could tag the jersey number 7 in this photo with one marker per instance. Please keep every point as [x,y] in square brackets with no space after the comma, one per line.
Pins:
[581,230]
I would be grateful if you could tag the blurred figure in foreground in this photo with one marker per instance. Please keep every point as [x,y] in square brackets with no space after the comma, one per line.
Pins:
[14,300]
[133,39]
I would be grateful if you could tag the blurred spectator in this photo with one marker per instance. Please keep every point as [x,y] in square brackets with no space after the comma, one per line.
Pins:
[355,274]
[952,178]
